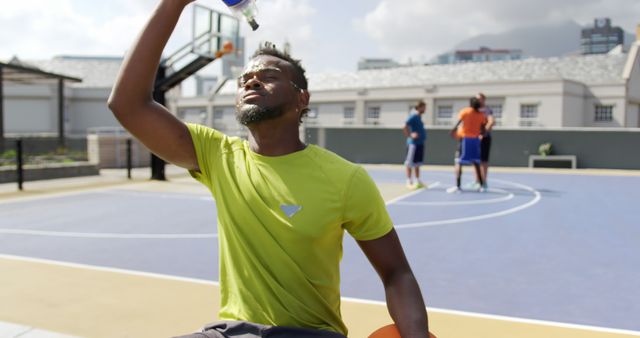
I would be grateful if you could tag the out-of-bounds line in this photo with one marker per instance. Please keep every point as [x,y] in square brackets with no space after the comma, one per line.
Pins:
[345,299]
[536,199]
[507,197]
[508,318]
[107,269]
[103,235]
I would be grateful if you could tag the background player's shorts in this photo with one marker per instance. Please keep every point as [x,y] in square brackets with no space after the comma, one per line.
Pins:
[469,151]
[415,154]
[485,148]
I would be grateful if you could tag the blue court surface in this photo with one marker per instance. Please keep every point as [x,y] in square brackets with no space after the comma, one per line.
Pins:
[545,246]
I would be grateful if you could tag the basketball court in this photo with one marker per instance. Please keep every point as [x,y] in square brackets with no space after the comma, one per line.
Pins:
[542,253]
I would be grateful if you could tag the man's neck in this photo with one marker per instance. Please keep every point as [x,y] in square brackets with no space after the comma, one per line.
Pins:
[273,138]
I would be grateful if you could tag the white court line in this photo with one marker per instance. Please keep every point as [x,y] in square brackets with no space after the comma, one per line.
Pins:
[215,235]
[433,185]
[345,299]
[107,269]
[536,199]
[107,235]
[507,318]
[413,193]
[159,195]
[104,235]
[482,201]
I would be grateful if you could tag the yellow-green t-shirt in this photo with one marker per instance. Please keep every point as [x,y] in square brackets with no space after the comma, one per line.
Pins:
[280,226]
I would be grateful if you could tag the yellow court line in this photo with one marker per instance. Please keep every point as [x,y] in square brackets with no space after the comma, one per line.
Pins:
[89,301]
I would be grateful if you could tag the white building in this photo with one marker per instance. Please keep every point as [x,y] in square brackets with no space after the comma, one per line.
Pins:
[32,108]
[572,91]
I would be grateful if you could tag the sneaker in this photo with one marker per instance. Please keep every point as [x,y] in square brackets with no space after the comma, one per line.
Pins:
[454,190]
[482,189]
[473,186]
[410,184]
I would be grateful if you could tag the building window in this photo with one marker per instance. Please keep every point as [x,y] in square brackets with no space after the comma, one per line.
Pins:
[444,115]
[373,115]
[604,113]
[349,113]
[497,113]
[528,115]
[218,114]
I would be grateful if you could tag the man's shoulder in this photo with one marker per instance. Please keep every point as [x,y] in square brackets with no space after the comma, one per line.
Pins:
[465,111]
[412,117]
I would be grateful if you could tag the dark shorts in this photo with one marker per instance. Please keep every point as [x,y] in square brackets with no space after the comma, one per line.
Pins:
[415,154]
[468,151]
[228,329]
[485,148]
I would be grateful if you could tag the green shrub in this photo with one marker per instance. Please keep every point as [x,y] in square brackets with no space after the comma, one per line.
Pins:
[8,155]
[545,149]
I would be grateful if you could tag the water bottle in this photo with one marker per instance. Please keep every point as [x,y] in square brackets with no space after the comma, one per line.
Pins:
[246,8]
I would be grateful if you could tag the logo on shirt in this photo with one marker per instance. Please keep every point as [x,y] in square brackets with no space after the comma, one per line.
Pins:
[290,210]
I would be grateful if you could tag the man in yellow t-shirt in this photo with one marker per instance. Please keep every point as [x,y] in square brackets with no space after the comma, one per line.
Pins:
[283,205]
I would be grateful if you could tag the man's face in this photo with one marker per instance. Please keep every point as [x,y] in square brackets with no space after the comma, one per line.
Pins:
[265,90]
[421,109]
[481,99]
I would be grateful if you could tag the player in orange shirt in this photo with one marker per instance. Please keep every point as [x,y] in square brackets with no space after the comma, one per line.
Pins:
[468,130]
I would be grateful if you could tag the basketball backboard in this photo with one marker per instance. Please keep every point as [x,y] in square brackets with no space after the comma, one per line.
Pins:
[212,29]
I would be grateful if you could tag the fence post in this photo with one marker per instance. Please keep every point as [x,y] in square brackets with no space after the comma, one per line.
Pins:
[20,171]
[129,161]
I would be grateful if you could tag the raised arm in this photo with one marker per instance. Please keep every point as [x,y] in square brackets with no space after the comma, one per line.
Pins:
[404,299]
[131,99]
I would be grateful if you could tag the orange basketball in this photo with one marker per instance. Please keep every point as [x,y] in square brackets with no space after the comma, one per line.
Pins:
[390,331]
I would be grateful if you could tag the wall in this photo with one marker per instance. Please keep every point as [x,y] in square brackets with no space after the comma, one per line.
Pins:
[594,148]
[87,108]
[573,104]
[48,172]
[45,144]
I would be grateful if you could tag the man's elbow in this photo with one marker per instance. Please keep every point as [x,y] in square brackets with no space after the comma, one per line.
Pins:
[122,106]
[115,104]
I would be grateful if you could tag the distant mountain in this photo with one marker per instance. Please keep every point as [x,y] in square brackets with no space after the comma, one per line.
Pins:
[538,41]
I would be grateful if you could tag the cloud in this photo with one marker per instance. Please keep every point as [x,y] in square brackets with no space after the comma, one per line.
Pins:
[286,20]
[40,29]
[429,27]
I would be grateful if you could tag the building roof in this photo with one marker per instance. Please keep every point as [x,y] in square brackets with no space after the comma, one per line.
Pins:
[587,69]
[95,72]
[17,72]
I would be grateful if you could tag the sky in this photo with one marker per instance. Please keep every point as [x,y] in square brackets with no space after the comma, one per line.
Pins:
[328,35]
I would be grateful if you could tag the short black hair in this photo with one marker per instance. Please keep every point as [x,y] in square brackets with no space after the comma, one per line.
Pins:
[474,102]
[268,48]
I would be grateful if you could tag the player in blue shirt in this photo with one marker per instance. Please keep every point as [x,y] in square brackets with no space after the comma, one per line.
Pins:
[416,136]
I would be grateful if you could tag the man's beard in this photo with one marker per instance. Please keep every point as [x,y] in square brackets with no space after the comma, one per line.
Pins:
[251,113]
